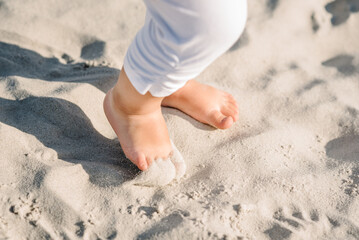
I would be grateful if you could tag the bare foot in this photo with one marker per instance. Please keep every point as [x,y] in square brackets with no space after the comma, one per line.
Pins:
[138,122]
[205,104]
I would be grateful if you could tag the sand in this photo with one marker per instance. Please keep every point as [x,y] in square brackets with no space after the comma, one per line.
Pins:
[288,169]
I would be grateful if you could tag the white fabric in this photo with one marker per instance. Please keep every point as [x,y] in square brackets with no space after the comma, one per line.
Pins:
[179,39]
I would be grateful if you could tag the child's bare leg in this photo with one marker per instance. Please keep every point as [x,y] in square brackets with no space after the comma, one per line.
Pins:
[138,122]
[172,47]
[204,103]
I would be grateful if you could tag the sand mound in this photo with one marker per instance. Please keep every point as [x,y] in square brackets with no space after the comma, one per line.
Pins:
[163,171]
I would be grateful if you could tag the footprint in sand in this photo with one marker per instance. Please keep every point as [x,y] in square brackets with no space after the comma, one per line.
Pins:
[164,228]
[343,63]
[309,225]
[93,50]
[148,211]
[341,10]
[80,229]
[272,5]
[344,148]
[27,208]
[351,184]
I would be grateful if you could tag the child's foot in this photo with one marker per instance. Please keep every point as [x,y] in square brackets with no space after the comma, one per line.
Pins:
[138,122]
[204,103]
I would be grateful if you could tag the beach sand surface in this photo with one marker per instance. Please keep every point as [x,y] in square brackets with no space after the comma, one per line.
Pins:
[288,169]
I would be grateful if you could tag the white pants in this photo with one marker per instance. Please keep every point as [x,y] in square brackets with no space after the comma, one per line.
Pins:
[179,39]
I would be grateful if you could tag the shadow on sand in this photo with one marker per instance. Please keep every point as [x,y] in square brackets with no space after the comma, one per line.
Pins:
[17,61]
[64,127]
[57,123]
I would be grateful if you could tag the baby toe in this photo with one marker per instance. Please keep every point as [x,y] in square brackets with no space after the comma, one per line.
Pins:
[219,120]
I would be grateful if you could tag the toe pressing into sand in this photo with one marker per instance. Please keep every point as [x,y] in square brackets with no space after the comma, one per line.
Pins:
[163,171]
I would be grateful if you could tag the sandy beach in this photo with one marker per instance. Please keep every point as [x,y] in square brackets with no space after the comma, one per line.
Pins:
[288,169]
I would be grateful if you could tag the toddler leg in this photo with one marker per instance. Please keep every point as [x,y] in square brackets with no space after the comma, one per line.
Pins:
[179,40]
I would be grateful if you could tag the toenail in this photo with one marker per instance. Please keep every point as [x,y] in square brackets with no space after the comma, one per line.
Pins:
[143,166]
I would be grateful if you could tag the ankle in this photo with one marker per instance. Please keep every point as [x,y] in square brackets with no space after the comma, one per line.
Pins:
[127,100]
[174,97]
